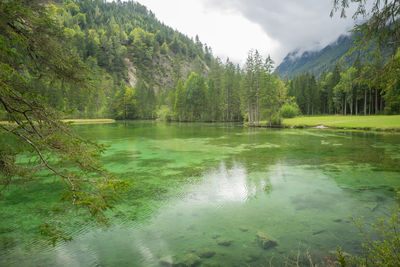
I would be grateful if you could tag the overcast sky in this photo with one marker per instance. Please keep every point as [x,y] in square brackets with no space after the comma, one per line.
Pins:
[233,27]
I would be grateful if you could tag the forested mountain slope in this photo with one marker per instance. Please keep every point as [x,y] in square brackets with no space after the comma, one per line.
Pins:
[139,68]
[315,62]
[132,57]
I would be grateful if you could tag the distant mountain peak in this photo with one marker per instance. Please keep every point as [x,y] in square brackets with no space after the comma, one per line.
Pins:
[314,61]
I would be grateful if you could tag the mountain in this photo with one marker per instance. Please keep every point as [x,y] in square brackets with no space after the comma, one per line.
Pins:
[130,55]
[315,61]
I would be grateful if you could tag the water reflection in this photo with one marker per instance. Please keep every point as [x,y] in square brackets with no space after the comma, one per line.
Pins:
[222,185]
[203,185]
[293,204]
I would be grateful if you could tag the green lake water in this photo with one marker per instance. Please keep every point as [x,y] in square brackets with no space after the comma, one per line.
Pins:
[212,186]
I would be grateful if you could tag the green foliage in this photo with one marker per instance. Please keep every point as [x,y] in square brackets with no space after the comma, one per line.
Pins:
[375,35]
[194,97]
[381,243]
[164,49]
[372,84]
[304,89]
[368,88]
[53,232]
[142,46]
[391,85]
[145,99]
[262,93]
[179,105]
[290,110]
[165,114]
[125,104]
[380,24]
[343,91]
[35,59]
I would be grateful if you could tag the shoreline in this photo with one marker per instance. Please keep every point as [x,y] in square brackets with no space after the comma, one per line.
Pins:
[88,121]
[376,123]
[319,126]
[283,126]
[324,127]
[74,121]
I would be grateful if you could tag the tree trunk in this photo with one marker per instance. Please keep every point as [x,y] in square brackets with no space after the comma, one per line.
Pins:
[365,102]
[124,109]
[270,118]
[227,109]
[370,101]
[351,106]
[257,112]
[376,101]
[248,114]
[356,105]
[249,118]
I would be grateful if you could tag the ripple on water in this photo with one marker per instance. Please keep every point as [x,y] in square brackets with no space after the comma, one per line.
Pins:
[217,188]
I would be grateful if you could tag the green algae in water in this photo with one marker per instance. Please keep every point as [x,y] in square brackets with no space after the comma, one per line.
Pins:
[194,185]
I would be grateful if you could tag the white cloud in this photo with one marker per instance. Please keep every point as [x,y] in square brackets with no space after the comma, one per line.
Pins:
[233,27]
[294,24]
[228,33]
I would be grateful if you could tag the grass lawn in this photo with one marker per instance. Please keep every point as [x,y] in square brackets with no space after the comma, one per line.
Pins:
[361,122]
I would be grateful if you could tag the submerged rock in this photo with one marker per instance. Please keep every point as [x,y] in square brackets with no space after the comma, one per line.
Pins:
[224,242]
[319,232]
[206,253]
[212,264]
[372,206]
[215,236]
[167,261]
[243,229]
[191,227]
[265,240]
[189,260]
[252,258]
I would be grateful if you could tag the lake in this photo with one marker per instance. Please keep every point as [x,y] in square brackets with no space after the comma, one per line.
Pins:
[213,190]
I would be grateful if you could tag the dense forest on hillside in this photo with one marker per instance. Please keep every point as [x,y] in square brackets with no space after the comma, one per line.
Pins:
[141,69]
[316,61]
[325,59]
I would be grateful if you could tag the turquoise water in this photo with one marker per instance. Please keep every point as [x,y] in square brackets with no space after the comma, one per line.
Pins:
[213,187]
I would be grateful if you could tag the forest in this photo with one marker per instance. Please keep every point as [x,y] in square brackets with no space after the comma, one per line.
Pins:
[362,89]
[139,68]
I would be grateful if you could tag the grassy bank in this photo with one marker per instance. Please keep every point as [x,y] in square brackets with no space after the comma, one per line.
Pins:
[348,122]
[88,121]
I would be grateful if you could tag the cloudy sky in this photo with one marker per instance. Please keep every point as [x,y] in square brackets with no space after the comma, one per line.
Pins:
[233,27]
